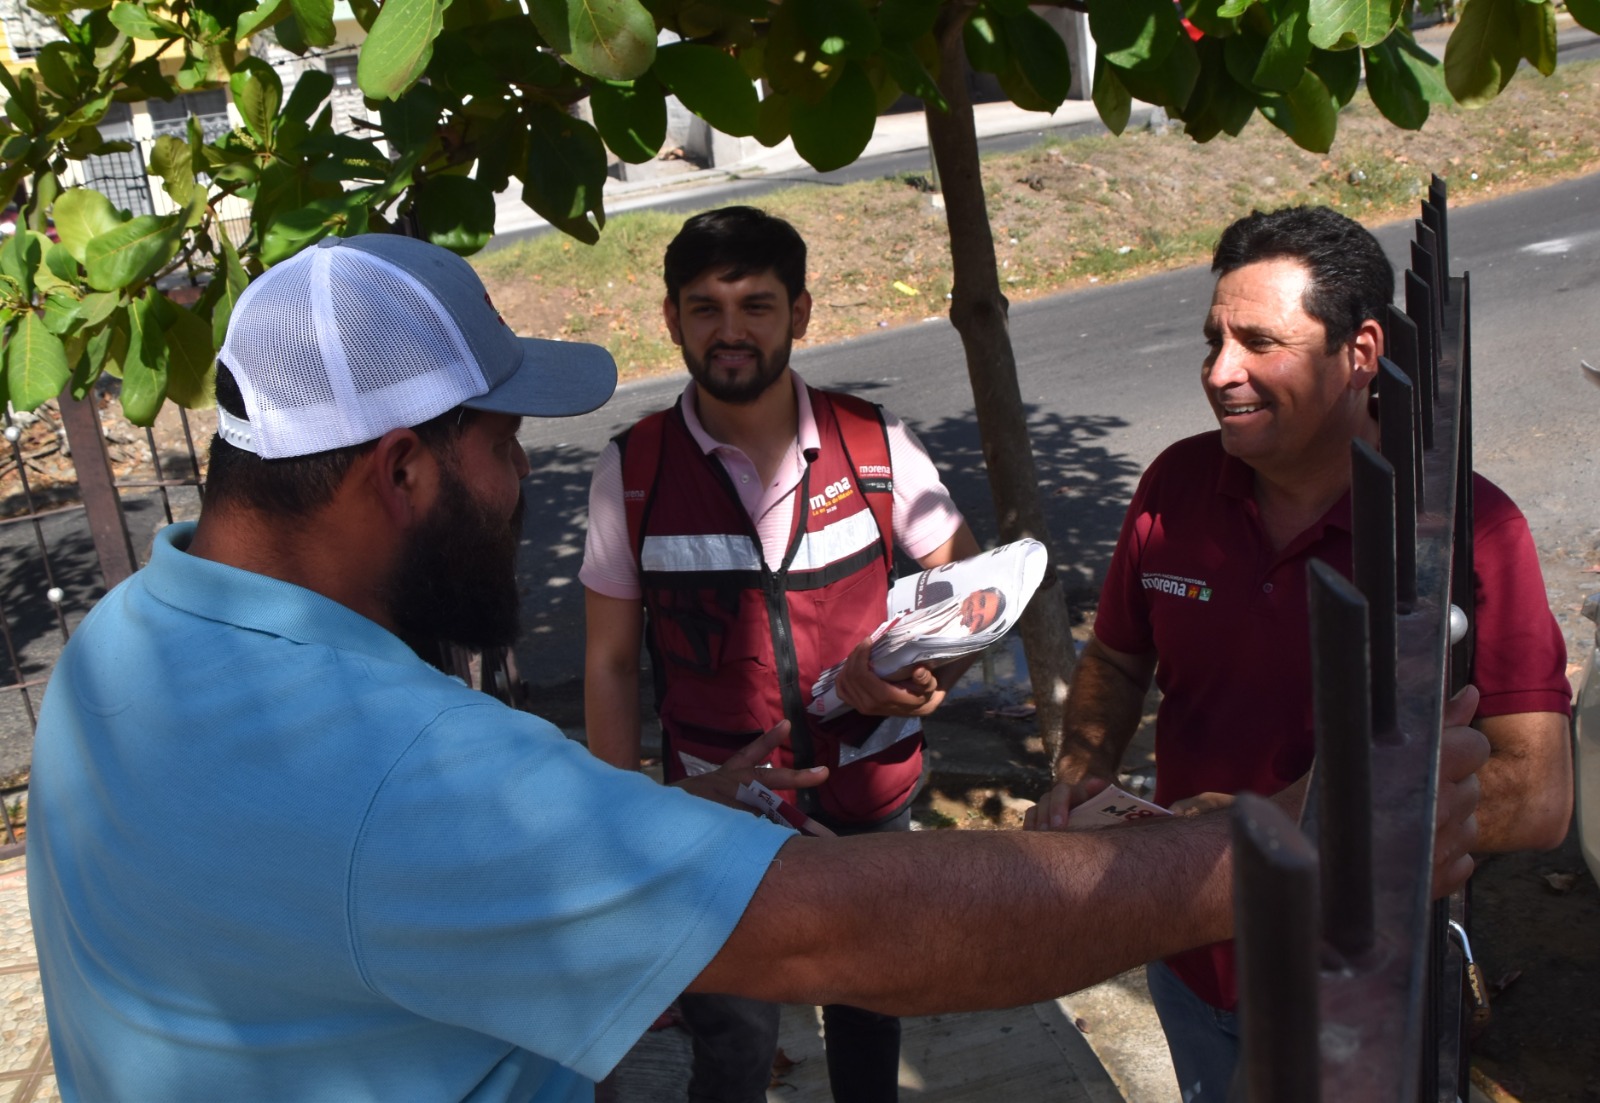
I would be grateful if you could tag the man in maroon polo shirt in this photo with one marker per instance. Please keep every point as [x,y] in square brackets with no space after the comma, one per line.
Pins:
[1207,589]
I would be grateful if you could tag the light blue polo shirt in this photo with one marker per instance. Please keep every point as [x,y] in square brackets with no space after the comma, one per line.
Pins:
[274,856]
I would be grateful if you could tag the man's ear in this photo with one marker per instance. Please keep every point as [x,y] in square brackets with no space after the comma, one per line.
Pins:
[800,313]
[1365,348]
[403,475]
[669,312]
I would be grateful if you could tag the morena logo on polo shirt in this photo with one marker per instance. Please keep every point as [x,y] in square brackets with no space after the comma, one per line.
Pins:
[1194,589]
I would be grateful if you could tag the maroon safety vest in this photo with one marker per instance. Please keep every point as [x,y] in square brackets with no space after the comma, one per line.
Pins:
[736,646]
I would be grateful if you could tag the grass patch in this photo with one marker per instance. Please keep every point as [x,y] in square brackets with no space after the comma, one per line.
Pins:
[1064,214]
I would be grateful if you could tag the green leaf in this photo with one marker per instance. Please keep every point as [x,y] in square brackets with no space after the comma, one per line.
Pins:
[1336,23]
[144,80]
[105,352]
[566,172]
[984,39]
[632,118]
[609,39]
[840,28]
[1308,115]
[81,215]
[59,259]
[1483,51]
[1111,99]
[1340,70]
[832,133]
[502,149]
[904,20]
[411,120]
[1219,104]
[1537,26]
[223,292]
[316,21]
[1040,74]
[144,366]
[794,64]
[263,16]
[1586,13]
[20,258]
[58,69]
[456,212]
[136,22]
[134,251]
[350,159]
[297,227]
[1169,85]
[398,47]
[36,364]
[1233,9]
[912,76]
[98,306]
[711,84]
[309,92]
[62,311]
[257,92]
[289,35]
[772,120]
[1287,51]
[172,161]
[191,357]
[1403,79]
[1135,33]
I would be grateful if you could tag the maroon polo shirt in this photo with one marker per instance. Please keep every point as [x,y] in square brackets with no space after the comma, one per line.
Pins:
[1195,580]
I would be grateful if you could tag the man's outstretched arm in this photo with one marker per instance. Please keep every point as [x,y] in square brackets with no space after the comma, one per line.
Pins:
[1103,710]
[916,924]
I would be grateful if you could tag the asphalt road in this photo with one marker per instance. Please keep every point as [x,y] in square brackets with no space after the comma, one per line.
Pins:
[1110,376]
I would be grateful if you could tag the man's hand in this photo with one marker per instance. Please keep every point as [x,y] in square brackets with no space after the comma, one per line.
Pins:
[722,785]
[1462,752]
[916,693]
[1202,802]
[1055,807]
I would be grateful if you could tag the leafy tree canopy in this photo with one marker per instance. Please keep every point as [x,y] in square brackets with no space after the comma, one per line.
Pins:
[475,96]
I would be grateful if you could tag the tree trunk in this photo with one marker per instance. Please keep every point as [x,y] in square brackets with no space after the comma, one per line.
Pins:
[979,312]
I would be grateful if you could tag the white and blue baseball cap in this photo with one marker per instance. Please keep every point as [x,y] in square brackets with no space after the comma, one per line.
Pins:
[357,336]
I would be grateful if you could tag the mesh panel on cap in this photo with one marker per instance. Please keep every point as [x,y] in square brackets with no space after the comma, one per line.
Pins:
[401,339]
[277,348]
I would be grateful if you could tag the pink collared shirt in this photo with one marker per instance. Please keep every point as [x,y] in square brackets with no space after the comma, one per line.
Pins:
[924,515]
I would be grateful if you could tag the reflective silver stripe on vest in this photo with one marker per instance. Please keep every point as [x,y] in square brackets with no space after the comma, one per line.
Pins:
[832,543]
[699,553]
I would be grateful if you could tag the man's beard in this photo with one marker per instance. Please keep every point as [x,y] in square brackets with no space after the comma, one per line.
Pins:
[744,391]
[456,580]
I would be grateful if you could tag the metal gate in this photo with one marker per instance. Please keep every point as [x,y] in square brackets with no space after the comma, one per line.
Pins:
[80,503]
[1351,984]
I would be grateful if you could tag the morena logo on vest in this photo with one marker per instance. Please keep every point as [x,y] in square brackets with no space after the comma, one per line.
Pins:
[831,496]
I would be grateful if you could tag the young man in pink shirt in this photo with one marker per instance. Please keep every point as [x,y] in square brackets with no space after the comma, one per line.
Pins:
[747,535]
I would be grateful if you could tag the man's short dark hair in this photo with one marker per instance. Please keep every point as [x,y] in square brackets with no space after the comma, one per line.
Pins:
[1351,279]
[299,485]
[736,242]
